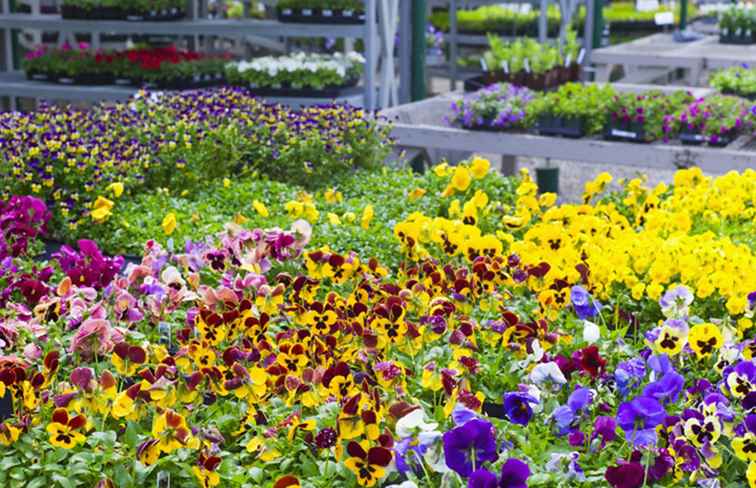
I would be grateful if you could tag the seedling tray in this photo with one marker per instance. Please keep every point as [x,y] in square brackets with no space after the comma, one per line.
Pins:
[560,126]
[320,16]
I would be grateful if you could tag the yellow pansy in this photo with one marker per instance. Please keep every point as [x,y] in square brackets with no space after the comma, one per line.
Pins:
[479,167]
[260,208]
[169,223]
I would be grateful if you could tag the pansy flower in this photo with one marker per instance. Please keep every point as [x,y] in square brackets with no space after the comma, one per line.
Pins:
[64,431]
[705,339]
[367,463]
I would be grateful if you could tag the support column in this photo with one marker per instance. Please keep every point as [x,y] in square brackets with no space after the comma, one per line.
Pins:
[683,14]
[419,22]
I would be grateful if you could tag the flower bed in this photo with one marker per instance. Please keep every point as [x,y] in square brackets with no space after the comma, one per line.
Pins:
[298,74]
[611,343]
[137,10]
[164,68]
[82,161]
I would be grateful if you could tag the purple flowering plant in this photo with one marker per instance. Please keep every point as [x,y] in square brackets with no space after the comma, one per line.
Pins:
[500,106]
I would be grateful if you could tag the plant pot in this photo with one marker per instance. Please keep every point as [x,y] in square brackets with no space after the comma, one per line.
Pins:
[37,76]
[549,125]
[73,12]
[617,130]
[6,405]
[693,137]
[547,180]
[286,90]
[481,81]
[495,410]
[744,38]
[320,16]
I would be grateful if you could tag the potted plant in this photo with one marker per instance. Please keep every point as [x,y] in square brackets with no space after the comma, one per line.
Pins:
[641,117]
[321,11]
[574,110]
[715,120]
[154,10]
[500,106]
[737,25]
[736,80]
[92,9]
[298,74]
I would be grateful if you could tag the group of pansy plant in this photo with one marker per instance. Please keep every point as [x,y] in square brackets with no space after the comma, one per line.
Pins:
[651,115]
[80,161]
[524,345]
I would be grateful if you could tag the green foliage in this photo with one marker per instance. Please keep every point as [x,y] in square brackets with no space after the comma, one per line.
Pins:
[575,101]
[738,21]
[297,70]
[355,5]
[529,55]
[735,80]
[498,18]
[205,211]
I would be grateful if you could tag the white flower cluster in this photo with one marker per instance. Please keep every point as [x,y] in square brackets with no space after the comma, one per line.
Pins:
[272,65]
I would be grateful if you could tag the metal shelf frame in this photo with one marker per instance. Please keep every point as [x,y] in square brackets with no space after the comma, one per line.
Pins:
[378,32]
[455,39]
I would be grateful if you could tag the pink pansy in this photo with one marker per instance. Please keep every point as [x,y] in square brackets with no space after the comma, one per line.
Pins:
[32,352]
[95,336]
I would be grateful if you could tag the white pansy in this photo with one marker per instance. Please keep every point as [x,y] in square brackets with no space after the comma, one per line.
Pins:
[547,373]
[300,61]
[591,331]
[412,422]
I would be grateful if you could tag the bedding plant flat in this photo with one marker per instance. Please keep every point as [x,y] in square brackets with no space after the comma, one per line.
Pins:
[521,342]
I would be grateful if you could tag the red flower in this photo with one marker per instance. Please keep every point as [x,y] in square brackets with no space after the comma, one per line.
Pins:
[590,361]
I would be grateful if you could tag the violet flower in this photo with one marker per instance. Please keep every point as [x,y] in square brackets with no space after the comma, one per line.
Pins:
[585,306]
[639,418]
[469,446]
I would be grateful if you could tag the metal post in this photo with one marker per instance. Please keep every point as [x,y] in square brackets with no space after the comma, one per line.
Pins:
[419,12]
[405,52]
[683,14]
[453,41]
[598,23]
[542,21]
[371,53]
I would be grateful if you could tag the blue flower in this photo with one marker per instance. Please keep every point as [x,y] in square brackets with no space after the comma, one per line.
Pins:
[517,407]
[473,441]
[639,418]
[585,306]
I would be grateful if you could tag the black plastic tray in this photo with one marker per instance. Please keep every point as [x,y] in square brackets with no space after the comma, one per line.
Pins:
[319,16]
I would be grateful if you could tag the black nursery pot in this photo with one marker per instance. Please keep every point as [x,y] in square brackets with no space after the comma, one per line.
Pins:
[6,405]
[743,39]
[34,75]
[547,180]
[693,137]
[621,130]
[549,125]
[495,410]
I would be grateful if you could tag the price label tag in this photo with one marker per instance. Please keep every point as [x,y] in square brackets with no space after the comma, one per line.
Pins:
[483,64]
[664,18]
[646,5]
[526,63]
[568,59]
[505,66]
[581,55]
